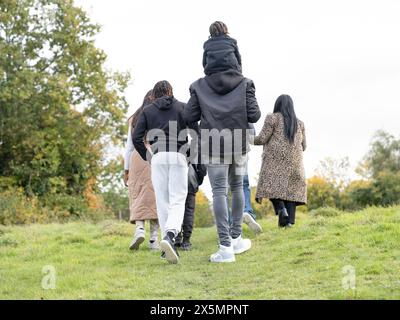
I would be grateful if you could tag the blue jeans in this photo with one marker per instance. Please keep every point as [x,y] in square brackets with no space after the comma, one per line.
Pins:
[247,196]
[222,176]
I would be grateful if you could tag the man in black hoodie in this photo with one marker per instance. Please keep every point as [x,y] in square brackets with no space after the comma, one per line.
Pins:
[225,103]
[166,131]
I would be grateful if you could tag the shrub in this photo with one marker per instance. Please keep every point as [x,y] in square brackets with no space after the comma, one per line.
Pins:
[203,216]
[358,194]
[321,193]
[16,208]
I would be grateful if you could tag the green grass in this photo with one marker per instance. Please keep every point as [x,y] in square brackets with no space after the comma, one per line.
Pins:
[305,262]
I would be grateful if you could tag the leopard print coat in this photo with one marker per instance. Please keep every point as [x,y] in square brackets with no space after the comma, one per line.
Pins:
[282,171]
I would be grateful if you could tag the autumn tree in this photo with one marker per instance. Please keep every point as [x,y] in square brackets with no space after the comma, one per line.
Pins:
[59,107]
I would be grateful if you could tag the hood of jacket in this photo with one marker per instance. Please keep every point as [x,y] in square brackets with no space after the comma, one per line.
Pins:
[164,103]
[225,81]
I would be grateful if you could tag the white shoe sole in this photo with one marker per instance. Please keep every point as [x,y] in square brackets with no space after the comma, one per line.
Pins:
[170,254]
[223,261]
[253,225]
[241,250]
[136,243]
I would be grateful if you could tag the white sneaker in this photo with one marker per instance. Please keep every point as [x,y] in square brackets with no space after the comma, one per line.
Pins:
[240,245]
[224,254]
[251,222]
[154,245]
[137,239]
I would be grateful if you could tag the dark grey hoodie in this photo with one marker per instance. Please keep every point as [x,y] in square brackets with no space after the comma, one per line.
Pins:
[164,114]
[224,100]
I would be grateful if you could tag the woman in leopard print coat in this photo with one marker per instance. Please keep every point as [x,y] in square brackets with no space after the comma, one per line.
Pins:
[282,174]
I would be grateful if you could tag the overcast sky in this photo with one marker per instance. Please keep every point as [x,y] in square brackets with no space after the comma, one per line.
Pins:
[339,60]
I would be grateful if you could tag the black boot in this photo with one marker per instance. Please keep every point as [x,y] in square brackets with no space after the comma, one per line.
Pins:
[283,219]
[186,245]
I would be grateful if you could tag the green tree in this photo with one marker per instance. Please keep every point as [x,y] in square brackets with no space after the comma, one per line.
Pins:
[59,107]
[384,155]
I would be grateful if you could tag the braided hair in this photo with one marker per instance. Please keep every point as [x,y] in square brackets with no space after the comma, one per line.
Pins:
[218,28]
[161,89]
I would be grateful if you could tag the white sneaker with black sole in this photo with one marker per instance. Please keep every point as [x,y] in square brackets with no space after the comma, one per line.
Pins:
[251,222]
[138,239]
[168,246]
[224,254]
[241,245]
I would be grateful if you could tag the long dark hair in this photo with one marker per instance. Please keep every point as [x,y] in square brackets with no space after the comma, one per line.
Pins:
[148,98]
[284,105]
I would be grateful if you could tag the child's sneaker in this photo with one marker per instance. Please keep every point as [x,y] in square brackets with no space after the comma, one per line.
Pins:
[137,239]
[252,223]
[240,245]
[154,245]
[224,254]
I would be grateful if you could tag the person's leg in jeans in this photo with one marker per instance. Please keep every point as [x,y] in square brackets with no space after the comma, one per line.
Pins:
[236,171]
[247,196]
[218,175]
[248,216]
[291,209]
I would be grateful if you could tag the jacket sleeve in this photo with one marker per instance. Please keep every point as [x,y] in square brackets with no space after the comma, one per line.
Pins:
[253,110]
[304,142]
[266,131]
[192,111]
[139,135]
[128,149]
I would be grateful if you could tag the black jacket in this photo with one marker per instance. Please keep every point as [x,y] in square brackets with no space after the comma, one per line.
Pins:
[221,53]
[225,100]
[169,136]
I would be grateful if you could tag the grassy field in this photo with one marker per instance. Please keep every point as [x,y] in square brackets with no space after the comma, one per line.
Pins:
[91,261]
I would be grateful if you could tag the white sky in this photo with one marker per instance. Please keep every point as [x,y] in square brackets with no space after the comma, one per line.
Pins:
[339,60]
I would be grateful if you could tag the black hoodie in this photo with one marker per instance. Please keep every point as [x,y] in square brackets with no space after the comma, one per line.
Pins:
[164,114]
[221,53]
[224,100]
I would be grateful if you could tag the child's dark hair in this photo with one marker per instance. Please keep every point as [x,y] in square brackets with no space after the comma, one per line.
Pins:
[161,89]
[218,28]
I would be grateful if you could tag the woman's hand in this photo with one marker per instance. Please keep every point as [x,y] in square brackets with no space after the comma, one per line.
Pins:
[259,200]
[126,177]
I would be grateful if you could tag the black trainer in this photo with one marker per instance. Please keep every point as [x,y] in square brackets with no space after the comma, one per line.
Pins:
[283,219]
[168,246]
[186,245]
[178,240]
